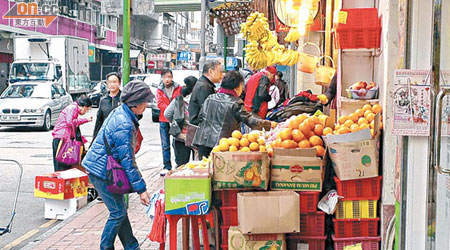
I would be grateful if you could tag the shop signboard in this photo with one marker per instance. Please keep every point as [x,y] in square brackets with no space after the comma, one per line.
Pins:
[411,103]
[91,53]
[184,56]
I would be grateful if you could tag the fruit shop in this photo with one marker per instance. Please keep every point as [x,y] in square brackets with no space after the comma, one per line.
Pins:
[314,180]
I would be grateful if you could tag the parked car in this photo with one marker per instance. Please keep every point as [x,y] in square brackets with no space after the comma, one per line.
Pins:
[32,104]
[100,90]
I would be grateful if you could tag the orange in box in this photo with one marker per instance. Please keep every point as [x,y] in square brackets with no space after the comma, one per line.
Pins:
[61,185]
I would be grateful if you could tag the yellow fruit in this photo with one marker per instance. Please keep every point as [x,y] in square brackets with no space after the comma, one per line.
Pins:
[363,126]
[362,121]
[327,131]
[224,146]
[223,140]
[273,124]
[297,135]
[254,146]
[304,144]
[245,149]
[367,113]
[315,140]
[234,142]
[318,129]
[286,134]
[320,151]
[372,132]
[244,142]
[253,136]
[216,149]
[262,149]
[377,108]
[236,134]
[353,117]
[233,148]
[348,123]
[359,112]
[354,128]
[294,123]
[249,174]
[370,117]
[372,124]
[367,107]
[342,119]
[261,141]
[343,130]
[302,117]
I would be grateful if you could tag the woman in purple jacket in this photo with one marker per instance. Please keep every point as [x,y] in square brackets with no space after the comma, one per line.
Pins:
[67,121]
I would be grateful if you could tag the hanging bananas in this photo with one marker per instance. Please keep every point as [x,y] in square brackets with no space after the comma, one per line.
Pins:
[256,58]
[293,35]
[256,27]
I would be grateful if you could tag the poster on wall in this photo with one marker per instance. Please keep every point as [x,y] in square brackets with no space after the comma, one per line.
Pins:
[411,99]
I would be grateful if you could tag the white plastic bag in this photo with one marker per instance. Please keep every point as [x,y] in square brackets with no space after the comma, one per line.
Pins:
[329,201]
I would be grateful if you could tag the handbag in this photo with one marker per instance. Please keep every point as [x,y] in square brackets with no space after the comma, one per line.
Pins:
[69,150]
[155,115]
[191,130]
[118,182]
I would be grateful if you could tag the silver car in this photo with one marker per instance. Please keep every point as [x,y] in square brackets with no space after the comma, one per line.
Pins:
[32,104]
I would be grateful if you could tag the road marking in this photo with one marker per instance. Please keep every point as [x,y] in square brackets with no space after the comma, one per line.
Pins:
[21,238]
[47,224]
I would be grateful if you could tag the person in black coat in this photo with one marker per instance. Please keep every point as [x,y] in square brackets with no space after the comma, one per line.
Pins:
[109,102]
[212,74]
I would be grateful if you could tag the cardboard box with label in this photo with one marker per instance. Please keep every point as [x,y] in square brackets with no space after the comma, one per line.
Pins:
[61,185]
[269,212]
[188,195]
[240,170]
[355,155]
[296,169]
[240,241]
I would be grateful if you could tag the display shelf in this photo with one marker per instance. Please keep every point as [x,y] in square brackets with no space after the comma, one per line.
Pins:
[370,52]
[355,101]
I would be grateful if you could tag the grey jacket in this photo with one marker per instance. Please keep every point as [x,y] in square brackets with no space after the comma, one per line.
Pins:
[177,116]
[220,116]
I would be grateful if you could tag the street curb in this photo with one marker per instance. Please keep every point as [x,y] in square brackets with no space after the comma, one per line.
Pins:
[56,228]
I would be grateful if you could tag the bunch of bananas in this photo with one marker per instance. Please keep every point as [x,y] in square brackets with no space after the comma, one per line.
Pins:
[197,164]
[269,42]
[285,56]
[256,57]
[293,35]
[256,27]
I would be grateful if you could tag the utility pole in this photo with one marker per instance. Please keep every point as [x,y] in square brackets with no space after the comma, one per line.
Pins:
[204,6]
[126,43]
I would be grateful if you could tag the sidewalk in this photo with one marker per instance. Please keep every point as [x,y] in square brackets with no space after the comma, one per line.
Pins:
[83,230]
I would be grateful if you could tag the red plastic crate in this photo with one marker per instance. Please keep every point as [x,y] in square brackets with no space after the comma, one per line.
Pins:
[229,198]
[345,228]
[359,189]
[229,216]
[308,201]
[361,30]
[312,224]
[224,246]
[225,234]
[314,242]
[368,243]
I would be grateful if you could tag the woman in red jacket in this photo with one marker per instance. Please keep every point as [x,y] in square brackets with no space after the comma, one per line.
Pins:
[167,91]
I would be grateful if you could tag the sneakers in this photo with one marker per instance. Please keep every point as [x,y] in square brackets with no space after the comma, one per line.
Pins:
[164,172]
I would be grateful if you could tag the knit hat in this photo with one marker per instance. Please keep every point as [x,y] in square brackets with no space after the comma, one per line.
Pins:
[135,93]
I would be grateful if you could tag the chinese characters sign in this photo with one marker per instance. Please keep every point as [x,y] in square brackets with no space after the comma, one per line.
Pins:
[32,15]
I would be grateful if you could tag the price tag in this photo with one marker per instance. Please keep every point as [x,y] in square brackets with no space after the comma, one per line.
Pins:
[342,18]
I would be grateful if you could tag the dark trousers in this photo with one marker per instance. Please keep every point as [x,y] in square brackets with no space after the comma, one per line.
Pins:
[57,165]
[182,153]
[203,152]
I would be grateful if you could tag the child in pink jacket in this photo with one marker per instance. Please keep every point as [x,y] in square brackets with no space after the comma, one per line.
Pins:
[67,124]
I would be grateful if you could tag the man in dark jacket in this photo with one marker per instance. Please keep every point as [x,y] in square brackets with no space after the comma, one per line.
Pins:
[257,96]
[212,73]
[109,102]
[282,87]
[222,113]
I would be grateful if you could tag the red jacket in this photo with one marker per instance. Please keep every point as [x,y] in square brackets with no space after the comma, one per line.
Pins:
[163,101]
[257,96]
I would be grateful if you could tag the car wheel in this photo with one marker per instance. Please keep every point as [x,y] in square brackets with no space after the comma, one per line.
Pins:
[47,121]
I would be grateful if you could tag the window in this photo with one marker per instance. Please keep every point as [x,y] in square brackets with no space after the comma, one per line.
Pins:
[54,91]
[61,90]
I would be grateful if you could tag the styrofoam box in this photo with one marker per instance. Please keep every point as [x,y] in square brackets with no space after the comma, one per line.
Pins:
[63,209]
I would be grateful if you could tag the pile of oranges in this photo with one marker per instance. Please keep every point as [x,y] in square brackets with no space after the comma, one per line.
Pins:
[251,142]
[362,118]
[304,131]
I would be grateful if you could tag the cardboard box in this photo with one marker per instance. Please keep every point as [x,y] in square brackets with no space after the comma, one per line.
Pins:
[240,241]
[269,212]
[355,155]
[240,170]
[61,185]
[188,195]
[296,169]
[63,209]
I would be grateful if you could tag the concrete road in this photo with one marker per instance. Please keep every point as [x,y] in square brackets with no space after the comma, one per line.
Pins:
[32,148]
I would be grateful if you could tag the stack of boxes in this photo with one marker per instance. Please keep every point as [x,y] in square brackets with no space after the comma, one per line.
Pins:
[64,191]
[229,214]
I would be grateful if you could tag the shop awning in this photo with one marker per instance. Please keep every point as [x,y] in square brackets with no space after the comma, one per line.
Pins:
[181,5]
[134,53]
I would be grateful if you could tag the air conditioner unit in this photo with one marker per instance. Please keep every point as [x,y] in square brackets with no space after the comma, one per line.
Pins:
[100,32]
[73,13]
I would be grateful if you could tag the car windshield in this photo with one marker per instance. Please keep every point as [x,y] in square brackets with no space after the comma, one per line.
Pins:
[26,91]
[31,71]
